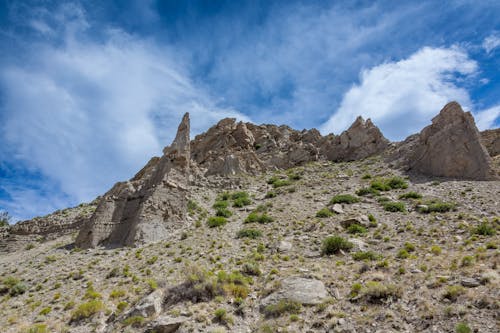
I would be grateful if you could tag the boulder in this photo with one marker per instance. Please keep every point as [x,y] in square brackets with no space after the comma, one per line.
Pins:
[148,306]
[148,207]
[361,220]
[451,147]
[297,289]
[165,324]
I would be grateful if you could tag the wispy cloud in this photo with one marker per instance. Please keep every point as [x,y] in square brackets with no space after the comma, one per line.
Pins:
[88,113]
[491,42]
[401,97]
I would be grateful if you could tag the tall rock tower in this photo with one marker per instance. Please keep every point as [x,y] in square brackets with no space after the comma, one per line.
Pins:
[148,207]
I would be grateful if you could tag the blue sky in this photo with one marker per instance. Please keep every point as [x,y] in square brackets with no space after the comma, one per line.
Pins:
[90,90]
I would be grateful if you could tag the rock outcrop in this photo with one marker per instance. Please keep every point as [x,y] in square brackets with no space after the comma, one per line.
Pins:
[148,207]
[361,140]
[297,289]
[451,147]
[491,141]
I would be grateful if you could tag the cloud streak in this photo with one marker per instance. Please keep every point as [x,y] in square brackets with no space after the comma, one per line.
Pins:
[88,113]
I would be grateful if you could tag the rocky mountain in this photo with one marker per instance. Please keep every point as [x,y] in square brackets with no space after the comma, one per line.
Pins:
[262,228]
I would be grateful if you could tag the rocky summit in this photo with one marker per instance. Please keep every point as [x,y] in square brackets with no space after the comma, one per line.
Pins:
[263,228]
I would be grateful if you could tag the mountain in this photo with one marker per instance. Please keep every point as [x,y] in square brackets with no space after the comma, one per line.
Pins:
[263,228]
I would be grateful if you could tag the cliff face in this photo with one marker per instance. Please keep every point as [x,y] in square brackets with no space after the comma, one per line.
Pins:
[152,205]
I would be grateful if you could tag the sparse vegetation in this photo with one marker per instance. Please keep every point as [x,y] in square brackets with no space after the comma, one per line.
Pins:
[344,198]
[393,206]
[334,244]
[324,212]
[216,221]
[87,310]
[249,233]
[282,307]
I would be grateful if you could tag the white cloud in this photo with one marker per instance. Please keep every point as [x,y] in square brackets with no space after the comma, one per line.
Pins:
[487,119]
[401,97]
[491,42]
[89,113]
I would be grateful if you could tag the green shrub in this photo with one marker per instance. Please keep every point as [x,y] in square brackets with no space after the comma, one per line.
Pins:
[436,250]
[87,310]
[45,311]
[224,212]
[397,183]
[467,261]
[462,328]
[334,244]
[38,328]
[251,268]
[221,204]
[437,206]
[241,202]
[216,221]
[344,198]
[376,291]
[271,194]
[324,212]
[134,321]
[453,292]
[403,254]
[393,206]
[387,184]
[117,293]
[368,255]
[410,195]
[282,307]
[367,191]
[356,229]
[380,185]
[294,176]
[485,229]
[249,233]
[259,218]
[152,260]
[409,247]
[281,183]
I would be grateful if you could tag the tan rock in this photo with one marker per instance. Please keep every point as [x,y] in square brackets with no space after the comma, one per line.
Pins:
[149,206]
[491,141]
[451,147]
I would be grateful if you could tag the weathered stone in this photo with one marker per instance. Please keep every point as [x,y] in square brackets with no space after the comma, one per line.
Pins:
[165,324]
[359,245]
[491,141]
[284,246]
[361,140]
[149,206]
[298,289]
[337,209]
[469,282]
[148,306]
[361,220]
[451,147]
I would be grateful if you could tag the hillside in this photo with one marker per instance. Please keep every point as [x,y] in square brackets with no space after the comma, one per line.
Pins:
[290,232]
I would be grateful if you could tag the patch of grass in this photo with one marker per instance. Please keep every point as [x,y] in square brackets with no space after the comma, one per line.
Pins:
[467,261]
[436,250]
[484,229]
[411,195]
[134,321]
[117,293]
[356,229]
[334,244]
[324,212]
[216,221]
[282,307]
[453,292]
[221,204]
[87,310]
[249,233]
[344,198]
[367,191]
[38,328]
[271,194]
[462,328]
[152,260]
[376,292]
[387,184]
[367,255]
[13,286]
[402,254]
[224,212]
[393,206]
[258,218]
[45,311]
[281,183]
[435,206]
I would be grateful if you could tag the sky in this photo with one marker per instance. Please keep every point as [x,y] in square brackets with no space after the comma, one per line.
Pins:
[91,90]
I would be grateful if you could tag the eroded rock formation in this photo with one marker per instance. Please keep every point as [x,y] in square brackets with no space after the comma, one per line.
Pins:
[491,141]
[451,147]
[148,207]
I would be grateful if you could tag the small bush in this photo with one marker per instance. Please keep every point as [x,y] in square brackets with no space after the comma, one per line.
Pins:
[221,204]
[410,195]
[376,291]
[453,292]
[117,293]
[344,198]
[356,229]
[462,328]
[241,202]
[387,184]
[281,183]
[403,254]
[367,191]
[282,307]
[38,328]
[271,194]
[409,247]
[45,311]
[485,229]
[251,268]
[134,321]
[467,261]
[437,206]
[216,221]
[249,233]
[152,260]
[436,250]
[334,244]
[393,206]
[224,212]
[368,255]
[324,212]
[87,310]
[397,183]
[259,218]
